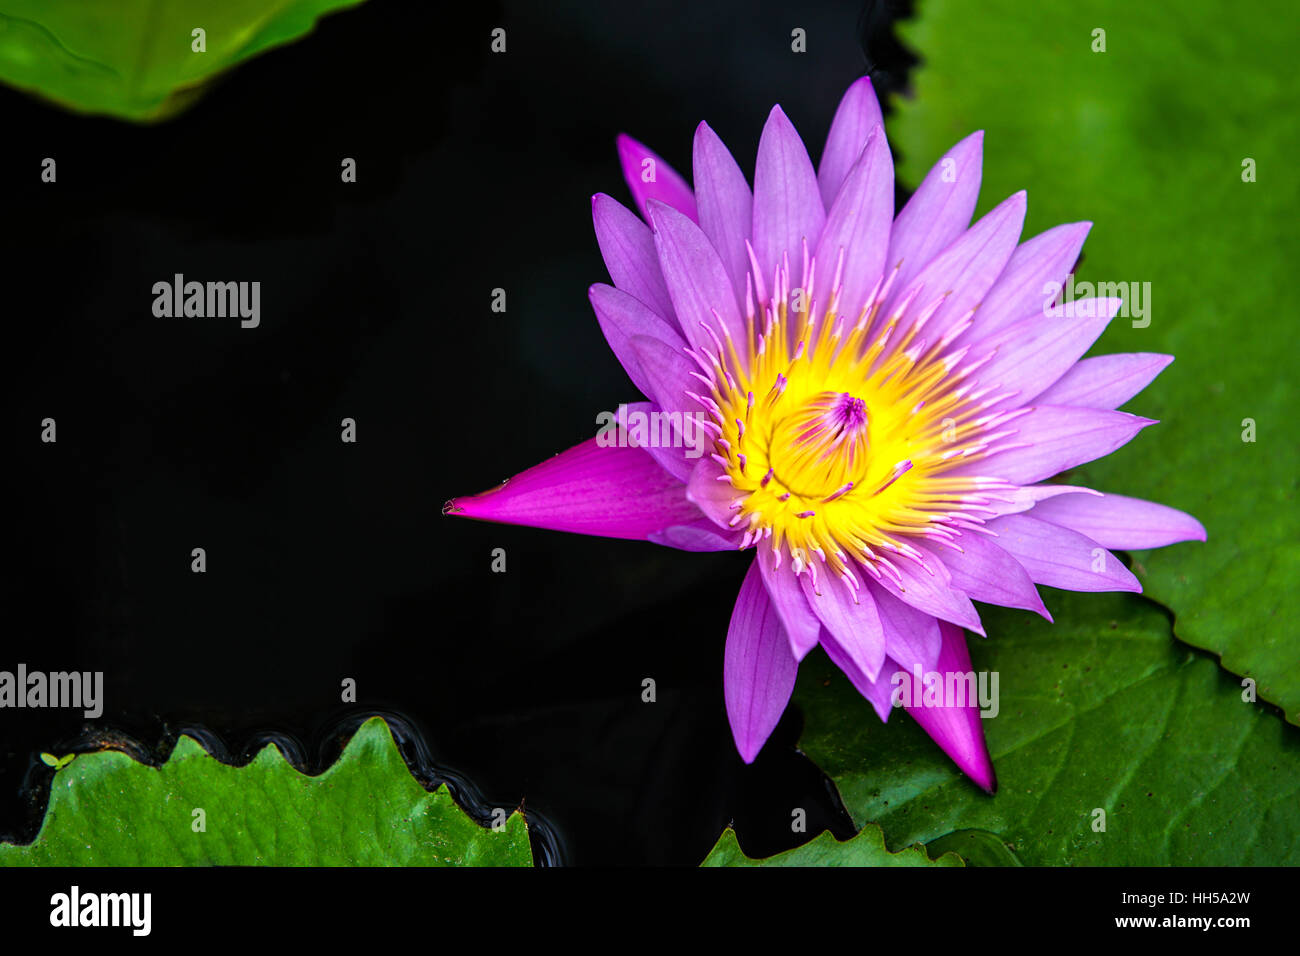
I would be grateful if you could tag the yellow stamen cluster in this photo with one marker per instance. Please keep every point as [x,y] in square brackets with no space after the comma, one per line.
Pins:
[837,438]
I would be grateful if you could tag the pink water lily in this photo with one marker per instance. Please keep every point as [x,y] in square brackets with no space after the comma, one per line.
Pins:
[882,399]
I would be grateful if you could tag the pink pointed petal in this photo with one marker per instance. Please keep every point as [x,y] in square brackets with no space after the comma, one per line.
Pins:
[856,116]
[931,593]
[1056,438]
[1061,558]
[1114,521]
[858,226]
[628,248]
[640,163]
[1025,497]
[911,637]
[713,497]
[1106,381]
[1030,354]
[788,207]
[1018,293]
[697,281]
[623,316]
[939,211]
[610,492]
[987,573]
[676,456]
[854,625]
[800,624]
[958,730]
[965,271]
[758,669]
[667,372]
[726,205]
[878,691]
[700,535]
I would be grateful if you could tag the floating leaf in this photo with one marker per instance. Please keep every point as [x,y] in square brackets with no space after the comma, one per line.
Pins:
[976,847]
[366,810]
[865,849]
[136,59]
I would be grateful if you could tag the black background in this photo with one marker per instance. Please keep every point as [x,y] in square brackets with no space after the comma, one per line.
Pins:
[329,560]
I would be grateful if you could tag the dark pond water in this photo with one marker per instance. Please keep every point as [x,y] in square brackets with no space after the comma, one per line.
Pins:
[328,561]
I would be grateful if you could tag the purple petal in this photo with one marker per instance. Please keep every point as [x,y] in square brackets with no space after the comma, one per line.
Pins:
[964,271]
[911,637]
[622,317]
[856,116]
[667,373]
[939,211]
[712,496]
[855,625]
[858,226]
[628,248]
[1018,293]
[676,455]
[639,162]
[697,281]
[788,207]
[1061,558]
[758,669]
[801,625]
[700,535]
[931,593]
[1032,353]
[987,573]
[1106,381]
[1114,521]
[877,692]
[1056,438]
[1024,498]
[612,492]
[726,205]
[958,730]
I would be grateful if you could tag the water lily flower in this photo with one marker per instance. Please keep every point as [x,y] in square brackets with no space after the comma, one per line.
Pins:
[883,397]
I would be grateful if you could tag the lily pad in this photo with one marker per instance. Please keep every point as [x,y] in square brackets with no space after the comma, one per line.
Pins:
[1149,120]
[137,59]
[976,847]
[865,849]
[1114,745]
[107,809]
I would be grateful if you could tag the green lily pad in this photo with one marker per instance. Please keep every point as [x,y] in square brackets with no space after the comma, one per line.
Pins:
[1148,140]
[107,809]
[136,59]
[865,849]
[976,847]
[1102,720]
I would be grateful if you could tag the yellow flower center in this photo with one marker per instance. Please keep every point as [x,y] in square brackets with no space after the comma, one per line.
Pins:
[837,438]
